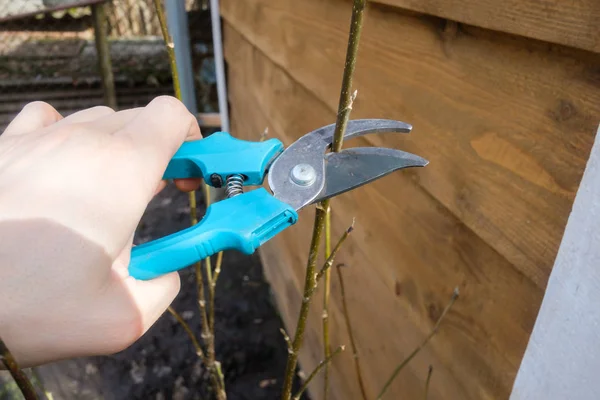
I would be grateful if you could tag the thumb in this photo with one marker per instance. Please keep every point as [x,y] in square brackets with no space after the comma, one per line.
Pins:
[134,306]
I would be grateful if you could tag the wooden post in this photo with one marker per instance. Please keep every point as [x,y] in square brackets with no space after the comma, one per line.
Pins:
[103,51]
[562,358]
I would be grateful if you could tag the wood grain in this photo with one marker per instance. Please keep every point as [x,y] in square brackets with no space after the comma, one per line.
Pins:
[571,23]
[404,258]
[561,361]
[507,124]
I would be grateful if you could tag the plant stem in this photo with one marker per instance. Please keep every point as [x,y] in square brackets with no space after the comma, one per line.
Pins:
[310,286]
[329,262]
[351,334]
[303,315]
[316,370]
[18,375]
[346,97]
[207,319]
[428,381]
[327,290]
[170,47]
[189,331]
[344,108]
[423,343]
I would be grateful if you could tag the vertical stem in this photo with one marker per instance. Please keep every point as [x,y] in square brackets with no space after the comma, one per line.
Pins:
[327,286]
[170,47]
[427,382]
[345,104]
[212,365]
[351,334]
[19,376]
[103,51]
[344,108]
[309,283]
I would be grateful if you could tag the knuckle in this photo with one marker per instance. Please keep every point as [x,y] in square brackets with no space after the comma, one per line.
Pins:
[38,107]
[168,103]
[103,110]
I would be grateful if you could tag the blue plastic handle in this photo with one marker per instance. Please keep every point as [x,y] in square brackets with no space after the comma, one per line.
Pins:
[242,223]
[223,155]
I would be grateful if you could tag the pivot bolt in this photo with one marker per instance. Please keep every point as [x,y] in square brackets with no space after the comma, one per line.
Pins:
[303,175]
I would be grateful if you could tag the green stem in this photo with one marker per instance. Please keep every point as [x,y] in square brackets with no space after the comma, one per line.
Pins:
[189,331]
[309,283]
[346,97]
[326,292]
[418,349]
[351,334]
[427,382]
[316,370]
[18,375]
[170,47]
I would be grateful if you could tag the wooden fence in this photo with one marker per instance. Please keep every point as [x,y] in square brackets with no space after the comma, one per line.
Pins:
[504,99]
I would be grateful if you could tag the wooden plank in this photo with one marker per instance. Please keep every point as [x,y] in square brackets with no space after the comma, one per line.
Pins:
[570,23]
[562,358]
[405,257]
[506,123]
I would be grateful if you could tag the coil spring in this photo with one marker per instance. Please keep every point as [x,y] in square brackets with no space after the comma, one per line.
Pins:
[234,185]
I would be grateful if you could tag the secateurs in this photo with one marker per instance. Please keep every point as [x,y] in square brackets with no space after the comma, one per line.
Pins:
[303,174]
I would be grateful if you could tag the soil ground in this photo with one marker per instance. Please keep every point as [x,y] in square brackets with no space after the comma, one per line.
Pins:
[162,364]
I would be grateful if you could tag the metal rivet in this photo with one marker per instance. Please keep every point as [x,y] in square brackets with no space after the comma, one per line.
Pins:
[303,174]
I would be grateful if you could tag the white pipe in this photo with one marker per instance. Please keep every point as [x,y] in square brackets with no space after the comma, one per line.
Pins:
[215,16]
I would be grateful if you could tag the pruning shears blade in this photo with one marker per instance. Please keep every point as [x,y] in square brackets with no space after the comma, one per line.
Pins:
[305,173]
[351,168]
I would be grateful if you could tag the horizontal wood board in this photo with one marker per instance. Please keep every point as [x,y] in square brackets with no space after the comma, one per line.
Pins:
[570,23]
[507,126]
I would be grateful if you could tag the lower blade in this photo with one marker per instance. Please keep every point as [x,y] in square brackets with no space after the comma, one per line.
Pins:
[351,168]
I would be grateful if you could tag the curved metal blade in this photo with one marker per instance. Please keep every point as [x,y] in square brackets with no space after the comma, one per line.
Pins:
[355,167]
[310,150]
[360,127]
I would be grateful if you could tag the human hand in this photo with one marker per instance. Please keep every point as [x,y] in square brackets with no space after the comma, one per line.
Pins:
[72,192]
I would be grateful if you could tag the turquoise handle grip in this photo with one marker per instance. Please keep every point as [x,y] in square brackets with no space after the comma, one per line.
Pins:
[220,154]
[242,223]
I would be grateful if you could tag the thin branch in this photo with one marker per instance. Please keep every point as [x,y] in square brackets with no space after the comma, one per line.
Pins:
[170,47]
[326,294]
[309,283]
[18,375]
[207,319]
[218,268]
[287,339]
[264,135]
[189,331]
[346,98]
[416,351]
[329,262]
[345,105]
[316,370]
[427,382]
[351,333]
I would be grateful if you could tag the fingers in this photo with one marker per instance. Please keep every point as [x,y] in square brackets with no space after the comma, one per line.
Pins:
[187,185]
[114,122]
[159,129]
[88,115]
[33,116]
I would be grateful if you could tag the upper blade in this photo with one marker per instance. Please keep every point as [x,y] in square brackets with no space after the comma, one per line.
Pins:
[361,127]
[355,167]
